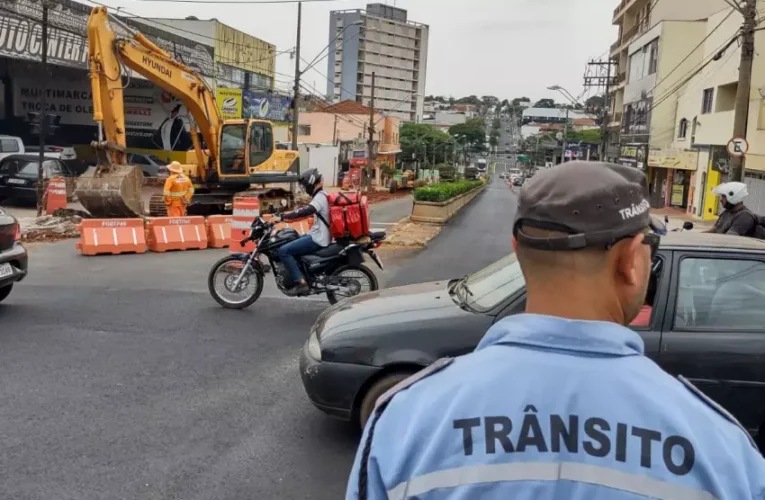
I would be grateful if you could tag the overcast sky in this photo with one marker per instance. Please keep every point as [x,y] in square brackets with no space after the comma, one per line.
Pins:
[505,48]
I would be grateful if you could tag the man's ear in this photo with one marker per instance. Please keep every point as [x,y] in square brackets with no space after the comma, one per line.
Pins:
[515,244]
[628,255]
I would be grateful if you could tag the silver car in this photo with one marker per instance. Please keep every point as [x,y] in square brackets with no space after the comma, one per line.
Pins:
[152,166]
[64,153]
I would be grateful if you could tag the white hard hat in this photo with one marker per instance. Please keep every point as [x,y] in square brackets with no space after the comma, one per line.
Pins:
[735,192]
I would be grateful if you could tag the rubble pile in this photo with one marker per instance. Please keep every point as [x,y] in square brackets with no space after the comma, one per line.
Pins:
[61,225]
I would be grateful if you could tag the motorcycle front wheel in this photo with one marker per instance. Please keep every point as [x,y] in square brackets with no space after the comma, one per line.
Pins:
[359,278]
[222,280]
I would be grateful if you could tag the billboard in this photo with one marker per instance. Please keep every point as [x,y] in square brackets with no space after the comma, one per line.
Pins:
[240,50]
[21,36]
[266,106]
[229,103]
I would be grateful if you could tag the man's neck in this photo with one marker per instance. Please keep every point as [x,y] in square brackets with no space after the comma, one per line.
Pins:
[567,305]
[737,208]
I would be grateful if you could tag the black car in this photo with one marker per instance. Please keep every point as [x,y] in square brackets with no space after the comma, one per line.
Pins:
[707,322]
[13,256]
[18,175]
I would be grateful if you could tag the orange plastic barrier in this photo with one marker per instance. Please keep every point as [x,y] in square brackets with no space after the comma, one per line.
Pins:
[218,231]
[246,208]
[301,226]
[176,233]
[111,236]
[55,195]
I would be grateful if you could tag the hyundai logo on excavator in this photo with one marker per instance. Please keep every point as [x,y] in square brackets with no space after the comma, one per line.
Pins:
[148,61]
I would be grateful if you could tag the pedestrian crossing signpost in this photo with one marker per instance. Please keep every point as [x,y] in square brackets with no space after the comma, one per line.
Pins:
[738,147]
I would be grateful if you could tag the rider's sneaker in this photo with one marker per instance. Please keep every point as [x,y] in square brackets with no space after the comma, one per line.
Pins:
[298,290]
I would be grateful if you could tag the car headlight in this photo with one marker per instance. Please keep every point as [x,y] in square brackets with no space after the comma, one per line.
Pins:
[314,348]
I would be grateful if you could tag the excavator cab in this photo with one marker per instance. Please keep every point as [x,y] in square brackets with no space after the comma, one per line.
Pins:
[248,153]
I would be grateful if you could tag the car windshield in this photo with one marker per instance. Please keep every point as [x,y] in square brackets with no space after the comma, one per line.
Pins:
[156,159]
[484,290]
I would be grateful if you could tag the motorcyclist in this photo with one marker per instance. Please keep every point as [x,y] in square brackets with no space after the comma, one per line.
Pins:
[318,236]
[736,219]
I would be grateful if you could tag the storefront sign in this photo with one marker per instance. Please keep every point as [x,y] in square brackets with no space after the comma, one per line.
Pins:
[146,107]
[633,155]
[21,36]
[229,103]
[678,159]
[678,192]
[266,106]
[240,50]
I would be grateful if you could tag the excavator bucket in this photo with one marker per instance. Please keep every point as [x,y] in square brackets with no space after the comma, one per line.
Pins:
[111,191]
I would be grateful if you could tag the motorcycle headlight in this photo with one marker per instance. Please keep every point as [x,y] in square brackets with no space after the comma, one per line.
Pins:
[314,348]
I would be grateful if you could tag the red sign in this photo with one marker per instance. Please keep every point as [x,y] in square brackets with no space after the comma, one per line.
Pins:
[358,162]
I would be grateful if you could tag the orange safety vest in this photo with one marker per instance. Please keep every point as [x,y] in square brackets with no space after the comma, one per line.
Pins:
[178,190]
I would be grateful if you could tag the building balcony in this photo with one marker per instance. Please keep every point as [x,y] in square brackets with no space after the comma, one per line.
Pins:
[620,9]
[623,41]
[616,121]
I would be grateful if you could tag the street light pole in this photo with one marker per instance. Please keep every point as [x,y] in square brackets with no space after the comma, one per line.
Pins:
[43,109]
[565,138]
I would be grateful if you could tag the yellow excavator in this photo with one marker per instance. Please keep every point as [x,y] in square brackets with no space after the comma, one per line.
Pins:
[228,156]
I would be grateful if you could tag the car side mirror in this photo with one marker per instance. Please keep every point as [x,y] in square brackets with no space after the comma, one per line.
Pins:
[688,225]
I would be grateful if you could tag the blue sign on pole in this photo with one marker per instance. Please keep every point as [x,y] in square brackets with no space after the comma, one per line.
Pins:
[266,106]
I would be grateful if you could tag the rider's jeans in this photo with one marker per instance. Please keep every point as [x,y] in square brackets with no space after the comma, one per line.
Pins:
[287,253]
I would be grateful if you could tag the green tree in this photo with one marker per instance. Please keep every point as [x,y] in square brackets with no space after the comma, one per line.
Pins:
[474,100]
[518,100]
[495,124]
[470,136]
[545,103]
[596,101]
[422,141]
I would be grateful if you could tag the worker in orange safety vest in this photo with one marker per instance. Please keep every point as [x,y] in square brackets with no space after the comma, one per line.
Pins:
[178,191]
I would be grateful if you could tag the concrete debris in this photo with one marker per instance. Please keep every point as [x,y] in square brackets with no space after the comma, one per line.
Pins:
[408,234]
[50,227]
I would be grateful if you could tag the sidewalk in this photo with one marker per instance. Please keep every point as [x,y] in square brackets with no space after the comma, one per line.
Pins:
[677,216]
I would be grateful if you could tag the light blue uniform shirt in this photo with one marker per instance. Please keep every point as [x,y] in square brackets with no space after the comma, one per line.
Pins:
[548,408]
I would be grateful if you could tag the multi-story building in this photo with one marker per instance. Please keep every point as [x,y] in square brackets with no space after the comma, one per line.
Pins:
[634,18]
[382,41]
[698,157]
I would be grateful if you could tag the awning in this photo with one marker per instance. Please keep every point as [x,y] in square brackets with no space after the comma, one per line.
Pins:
[389,152]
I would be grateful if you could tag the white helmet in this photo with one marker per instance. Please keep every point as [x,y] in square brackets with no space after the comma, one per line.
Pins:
[735,192]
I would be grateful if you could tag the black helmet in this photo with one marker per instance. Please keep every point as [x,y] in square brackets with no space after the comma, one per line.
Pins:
[310,179]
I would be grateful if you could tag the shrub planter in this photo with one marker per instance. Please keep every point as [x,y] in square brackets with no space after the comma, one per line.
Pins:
[439,212]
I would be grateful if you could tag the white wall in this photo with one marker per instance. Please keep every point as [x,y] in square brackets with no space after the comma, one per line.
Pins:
[200,31]
[322,157]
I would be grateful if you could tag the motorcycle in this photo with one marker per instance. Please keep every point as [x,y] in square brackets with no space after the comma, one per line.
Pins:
[236,281]
[687,226]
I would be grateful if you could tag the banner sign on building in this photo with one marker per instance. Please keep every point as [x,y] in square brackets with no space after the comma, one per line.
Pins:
[634,155]
[229,103]
[149,111]
[21,36]
[678,159]
[266,106]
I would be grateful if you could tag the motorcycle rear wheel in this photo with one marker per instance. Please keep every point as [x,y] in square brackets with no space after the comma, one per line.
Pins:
[373,284]
[229,304]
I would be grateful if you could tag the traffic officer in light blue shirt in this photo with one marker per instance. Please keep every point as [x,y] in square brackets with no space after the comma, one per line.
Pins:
[560,402]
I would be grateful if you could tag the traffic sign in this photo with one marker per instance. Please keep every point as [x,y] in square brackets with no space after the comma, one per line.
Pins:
[738,146]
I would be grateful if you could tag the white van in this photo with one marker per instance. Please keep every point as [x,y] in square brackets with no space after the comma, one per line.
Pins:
[10,145]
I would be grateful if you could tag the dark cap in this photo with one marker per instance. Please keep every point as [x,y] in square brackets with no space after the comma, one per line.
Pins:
[597,204]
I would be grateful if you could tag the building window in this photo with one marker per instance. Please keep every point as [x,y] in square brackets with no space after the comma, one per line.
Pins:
[683,131]
[653,57]
[706,101]
[304,130]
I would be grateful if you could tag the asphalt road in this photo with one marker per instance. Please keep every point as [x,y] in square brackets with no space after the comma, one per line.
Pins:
[121,378]
[476,237]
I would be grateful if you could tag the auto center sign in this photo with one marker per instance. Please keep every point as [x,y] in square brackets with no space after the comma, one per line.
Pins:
[21,36]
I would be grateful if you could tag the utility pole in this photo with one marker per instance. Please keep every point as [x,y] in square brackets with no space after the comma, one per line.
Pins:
[749,10]
[600,80]
[334,133]
[43,109]
[296,93]
[565,138]
[371,141]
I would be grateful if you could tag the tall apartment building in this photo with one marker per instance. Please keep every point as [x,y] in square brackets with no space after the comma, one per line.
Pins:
[379,39]
[634,19]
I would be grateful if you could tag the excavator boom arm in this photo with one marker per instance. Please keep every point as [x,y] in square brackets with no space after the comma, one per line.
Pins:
[107,56]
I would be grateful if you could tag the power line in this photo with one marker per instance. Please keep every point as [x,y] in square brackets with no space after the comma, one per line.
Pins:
[249,2]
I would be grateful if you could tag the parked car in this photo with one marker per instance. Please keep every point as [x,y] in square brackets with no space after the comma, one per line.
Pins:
[65,153]
[10,145]
[13,256]
[707,324]
[18,175]
[152,166]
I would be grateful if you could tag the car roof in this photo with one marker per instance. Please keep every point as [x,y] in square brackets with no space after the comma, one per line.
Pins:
[694,240]
[28,157]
